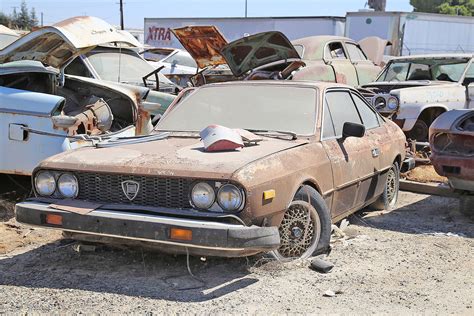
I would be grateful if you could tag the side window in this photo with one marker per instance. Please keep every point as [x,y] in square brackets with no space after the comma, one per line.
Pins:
[369,117]
[355,53]
[342,110]
[328,127]
[335,51]
[77,68]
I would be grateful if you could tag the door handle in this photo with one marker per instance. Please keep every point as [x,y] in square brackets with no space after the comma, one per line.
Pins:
[375,152]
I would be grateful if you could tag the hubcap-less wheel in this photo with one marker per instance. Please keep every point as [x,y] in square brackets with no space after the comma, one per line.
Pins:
[300,230]
[391,186]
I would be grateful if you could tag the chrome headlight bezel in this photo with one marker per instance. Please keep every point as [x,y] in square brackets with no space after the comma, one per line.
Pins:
[392,103]
[74,179]
[238,193]
[52,183]
[193,198]
[380,102]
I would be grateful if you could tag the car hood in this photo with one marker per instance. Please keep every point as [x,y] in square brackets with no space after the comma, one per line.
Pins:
[406,84]
[258,50]
[60,43]
[203,43]
[172,156]
[374,48]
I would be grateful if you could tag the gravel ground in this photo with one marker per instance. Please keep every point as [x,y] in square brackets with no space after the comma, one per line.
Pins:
[415,259]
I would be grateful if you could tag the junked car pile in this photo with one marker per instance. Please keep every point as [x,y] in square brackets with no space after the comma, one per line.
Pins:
[263,148]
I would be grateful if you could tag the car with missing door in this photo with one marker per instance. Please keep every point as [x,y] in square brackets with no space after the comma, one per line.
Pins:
[316,153]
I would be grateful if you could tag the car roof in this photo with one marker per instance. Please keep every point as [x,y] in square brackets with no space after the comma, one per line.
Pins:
[433,56]
[322,85]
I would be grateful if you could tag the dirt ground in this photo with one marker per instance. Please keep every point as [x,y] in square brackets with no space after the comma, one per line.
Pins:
[418,258]
[424,174]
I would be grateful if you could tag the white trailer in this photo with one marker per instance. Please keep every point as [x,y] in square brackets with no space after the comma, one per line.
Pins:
[157,30]
[414,33]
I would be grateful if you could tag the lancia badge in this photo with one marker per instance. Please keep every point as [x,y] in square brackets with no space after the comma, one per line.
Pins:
[130,189]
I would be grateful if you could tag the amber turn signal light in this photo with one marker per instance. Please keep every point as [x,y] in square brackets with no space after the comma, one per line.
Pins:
[181,234]
[54,219]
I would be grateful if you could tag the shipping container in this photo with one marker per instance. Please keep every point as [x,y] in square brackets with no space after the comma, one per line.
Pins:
[414,33]
[157,30]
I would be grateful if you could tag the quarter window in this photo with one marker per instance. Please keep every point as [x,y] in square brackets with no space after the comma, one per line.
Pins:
[328,127]
[335,51]
[342,110]
[369,117]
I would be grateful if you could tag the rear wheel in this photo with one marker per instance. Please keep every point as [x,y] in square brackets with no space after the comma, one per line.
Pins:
[419,132]
[306,226]
[389,197]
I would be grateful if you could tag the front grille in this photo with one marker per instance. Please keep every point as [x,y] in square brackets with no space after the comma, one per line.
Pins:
[153,191]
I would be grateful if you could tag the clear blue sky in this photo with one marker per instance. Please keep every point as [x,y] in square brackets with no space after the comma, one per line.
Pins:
[137,10]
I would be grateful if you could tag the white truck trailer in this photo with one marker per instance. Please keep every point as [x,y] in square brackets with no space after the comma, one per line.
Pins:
[414,33]
[157,30]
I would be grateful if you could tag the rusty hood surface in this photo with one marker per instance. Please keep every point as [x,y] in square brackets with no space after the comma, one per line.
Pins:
[60,43]
[258,50]
[170,157]
[203,43]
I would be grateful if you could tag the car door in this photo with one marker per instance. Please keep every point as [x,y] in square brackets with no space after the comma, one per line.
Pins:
[336,56]
[376,136]
[366,70]
[353,167]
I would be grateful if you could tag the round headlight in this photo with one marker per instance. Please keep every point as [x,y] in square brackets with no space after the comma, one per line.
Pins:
[68,185]
[45,183]
[229,197]
[392,103]
[380,103]
[203,195]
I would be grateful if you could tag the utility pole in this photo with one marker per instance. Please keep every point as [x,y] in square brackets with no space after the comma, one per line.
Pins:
[121,15]
[41,19]
[245,8]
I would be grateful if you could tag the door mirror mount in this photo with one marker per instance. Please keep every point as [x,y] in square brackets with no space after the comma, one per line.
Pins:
[350,129]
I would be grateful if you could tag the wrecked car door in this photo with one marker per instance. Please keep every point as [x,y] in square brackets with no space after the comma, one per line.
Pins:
[365,68]
[336,56]
[351,157]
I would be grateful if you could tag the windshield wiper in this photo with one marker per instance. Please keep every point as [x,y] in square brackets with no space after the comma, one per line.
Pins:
[266,131]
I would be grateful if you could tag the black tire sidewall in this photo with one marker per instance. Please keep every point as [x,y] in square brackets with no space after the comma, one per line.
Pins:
[317,201]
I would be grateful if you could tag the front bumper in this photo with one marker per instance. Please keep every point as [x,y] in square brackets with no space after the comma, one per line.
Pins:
[407,164]
[458,169]
[208,238]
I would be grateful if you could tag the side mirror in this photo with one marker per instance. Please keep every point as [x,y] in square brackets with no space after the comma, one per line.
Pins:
[353,130]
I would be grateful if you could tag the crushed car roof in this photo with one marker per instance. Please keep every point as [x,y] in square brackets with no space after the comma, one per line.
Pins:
[60,43]
[25,66]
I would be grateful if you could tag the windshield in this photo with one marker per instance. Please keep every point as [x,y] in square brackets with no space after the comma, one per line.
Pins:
[7,39]
[425,69]
[125,67]
[259,107]
[181,59]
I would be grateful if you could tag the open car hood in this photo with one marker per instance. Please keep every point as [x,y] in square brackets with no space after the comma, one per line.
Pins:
[258,50]
[374,48]
[58,44]
[203,43]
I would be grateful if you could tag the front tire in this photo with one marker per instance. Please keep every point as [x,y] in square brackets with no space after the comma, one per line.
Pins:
[389,197]
[306,226]
[419,132]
